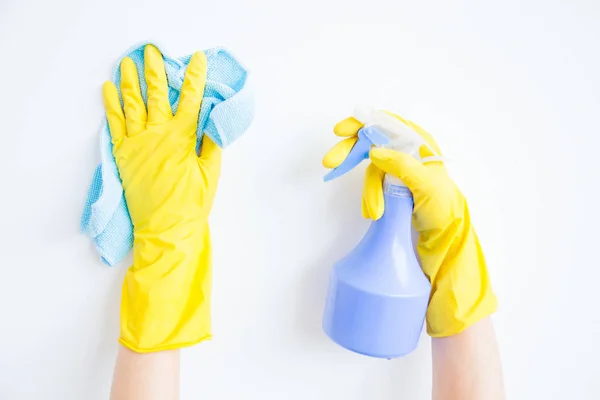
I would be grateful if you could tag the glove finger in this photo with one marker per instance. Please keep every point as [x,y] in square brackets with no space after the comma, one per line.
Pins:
[347,127]
[135,110]
[193,87]
[363,208]
[422,132]
[338,153]
[114,113]
[372,195]
[401,165]
[427,136]
[210,164]
[424,152]
[159,109]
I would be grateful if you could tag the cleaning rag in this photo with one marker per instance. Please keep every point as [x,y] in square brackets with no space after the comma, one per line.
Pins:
[226,112]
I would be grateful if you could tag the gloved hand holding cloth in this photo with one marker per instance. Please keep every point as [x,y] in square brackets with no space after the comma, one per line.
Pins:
[169,191]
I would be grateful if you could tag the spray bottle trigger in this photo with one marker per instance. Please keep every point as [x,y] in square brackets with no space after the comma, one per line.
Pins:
[375,136]
[367,138]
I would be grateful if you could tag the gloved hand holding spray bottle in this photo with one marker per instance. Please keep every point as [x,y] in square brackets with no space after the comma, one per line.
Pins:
[378,294]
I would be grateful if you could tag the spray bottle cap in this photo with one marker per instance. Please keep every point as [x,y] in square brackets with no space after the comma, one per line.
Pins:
[380,129]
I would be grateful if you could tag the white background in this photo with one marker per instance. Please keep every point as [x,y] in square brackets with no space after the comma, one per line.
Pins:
[510,89]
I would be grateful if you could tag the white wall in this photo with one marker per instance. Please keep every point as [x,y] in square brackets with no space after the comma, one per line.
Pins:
[510,90]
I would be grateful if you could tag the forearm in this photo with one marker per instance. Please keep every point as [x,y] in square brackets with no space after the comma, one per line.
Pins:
[466,366]
[149,376]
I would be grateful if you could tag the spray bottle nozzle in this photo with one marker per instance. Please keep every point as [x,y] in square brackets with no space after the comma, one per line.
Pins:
[368,137]
[382,129]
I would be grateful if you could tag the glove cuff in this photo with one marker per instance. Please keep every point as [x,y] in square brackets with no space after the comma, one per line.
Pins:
[461,290]
[166,298]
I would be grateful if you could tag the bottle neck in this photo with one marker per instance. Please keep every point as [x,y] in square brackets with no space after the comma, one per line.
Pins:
[395,226]
[398,209]
[391,235]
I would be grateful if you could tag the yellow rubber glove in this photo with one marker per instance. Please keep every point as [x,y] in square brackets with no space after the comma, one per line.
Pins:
[448,247]
[169,191]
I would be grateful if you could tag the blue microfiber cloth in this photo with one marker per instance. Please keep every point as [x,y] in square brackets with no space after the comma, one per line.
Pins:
[226,112]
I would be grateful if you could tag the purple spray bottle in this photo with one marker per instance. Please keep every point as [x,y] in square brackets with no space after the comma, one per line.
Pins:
[378,294]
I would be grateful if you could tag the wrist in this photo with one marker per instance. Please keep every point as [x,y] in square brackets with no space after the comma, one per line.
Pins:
[178,244]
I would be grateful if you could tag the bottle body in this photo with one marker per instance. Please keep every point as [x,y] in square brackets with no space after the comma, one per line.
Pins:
[378,294]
